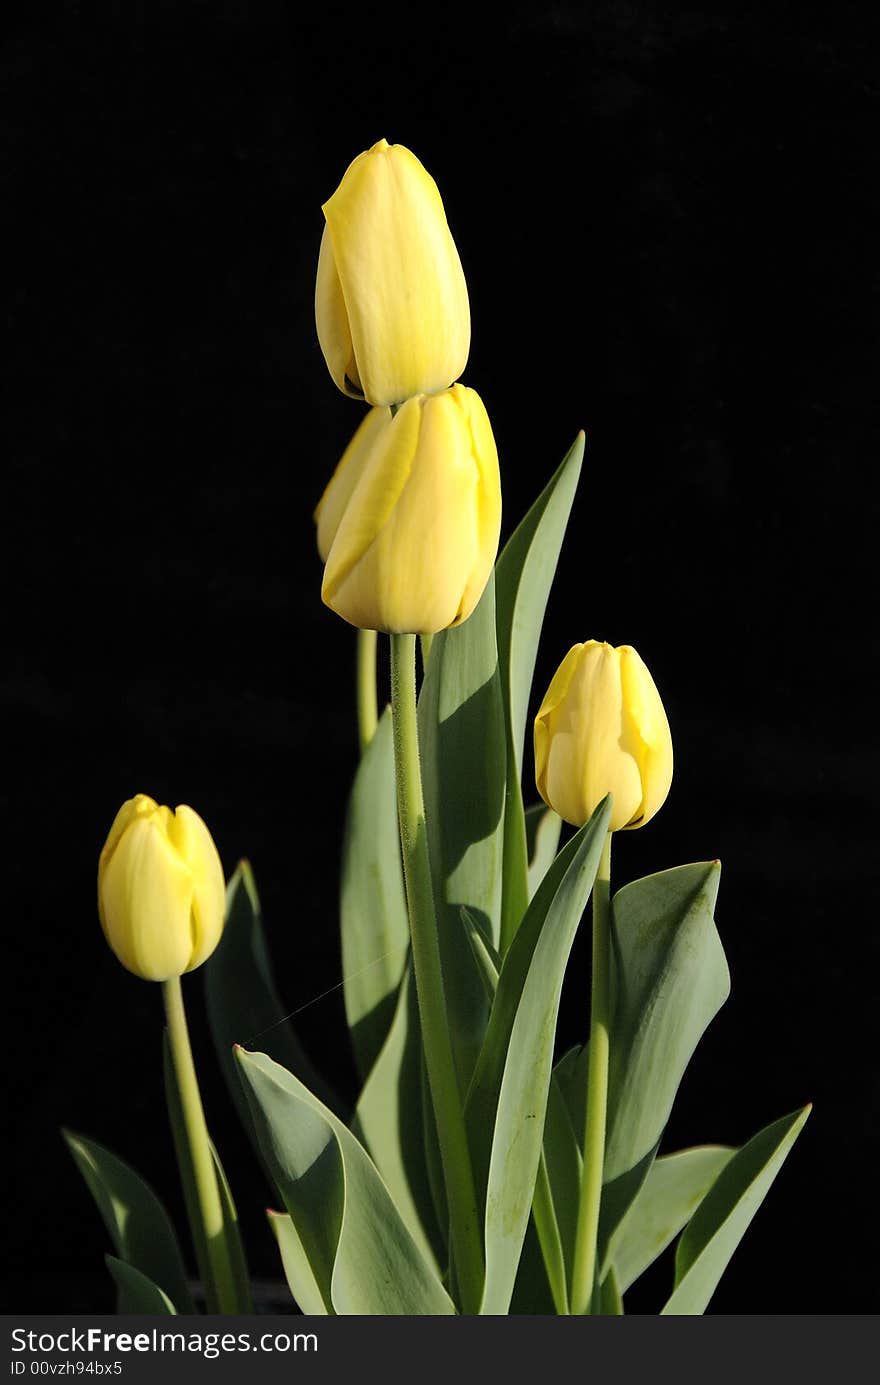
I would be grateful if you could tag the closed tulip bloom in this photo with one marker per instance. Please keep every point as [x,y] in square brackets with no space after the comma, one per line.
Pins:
[602,729]
[412,516]
[161,893]
[391,302]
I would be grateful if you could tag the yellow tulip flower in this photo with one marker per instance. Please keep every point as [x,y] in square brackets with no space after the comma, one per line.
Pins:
[602,729]
[161,893]
[411,518]
[391,302]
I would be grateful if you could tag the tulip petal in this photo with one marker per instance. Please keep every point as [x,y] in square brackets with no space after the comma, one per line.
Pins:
[401,281]
[553,696]
[385,473]
[139,806]
[342,483]
[485,454]
[331,320]
[146,896]
[191,838]
[651,737]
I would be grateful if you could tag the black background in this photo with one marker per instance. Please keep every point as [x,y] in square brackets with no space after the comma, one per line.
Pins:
[667,216]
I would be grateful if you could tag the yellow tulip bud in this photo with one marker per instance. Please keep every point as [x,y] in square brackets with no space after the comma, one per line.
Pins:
[161,894]
[602,729]
[412,515]
[391,302]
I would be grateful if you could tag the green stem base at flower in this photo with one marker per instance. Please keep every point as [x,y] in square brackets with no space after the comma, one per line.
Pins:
[367,703]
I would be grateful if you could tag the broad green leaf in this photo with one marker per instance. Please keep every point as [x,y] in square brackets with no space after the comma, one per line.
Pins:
[136,1292]
[519,1049]
[523,575]
[674,1187]
[375,929]
[138,1224]
[297,1269]
[231,1232]
[362,1257]
[671,979]
[723,1216]
[543,830]
[388,1122]
[461,735]
[242,1001]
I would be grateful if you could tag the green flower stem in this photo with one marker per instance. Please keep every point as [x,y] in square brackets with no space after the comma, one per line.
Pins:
[584,1275]
[207,1190]
[467,1252]
[367,706]
[549,1239]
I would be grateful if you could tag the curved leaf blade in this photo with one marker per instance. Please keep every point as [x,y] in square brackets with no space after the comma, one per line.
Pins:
[673,1189]
[524,574]
[362,1256]
[520,1043]
[462,742]
[372,906]
[298,1272]
[136,1292]
[138,1224]
[671,979]
[523,577]
[725,1213]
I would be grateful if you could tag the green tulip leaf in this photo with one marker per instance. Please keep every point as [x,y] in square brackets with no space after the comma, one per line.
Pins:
[671,979]
[136,1293]
[564,1162]
[509,1092]
[388,1122]
[487,961]
[242,1001]
[362,1257]
[673,1189]
[543,830]
[375,928]
[570,1076]
[523,575]
[139,1226]
[298,1271]
[231,1232]
[725,1213]
[461,736]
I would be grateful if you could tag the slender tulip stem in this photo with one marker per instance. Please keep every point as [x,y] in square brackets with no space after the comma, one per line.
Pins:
[367,704]
[204,1172]
[586,1236]
[467,1252]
